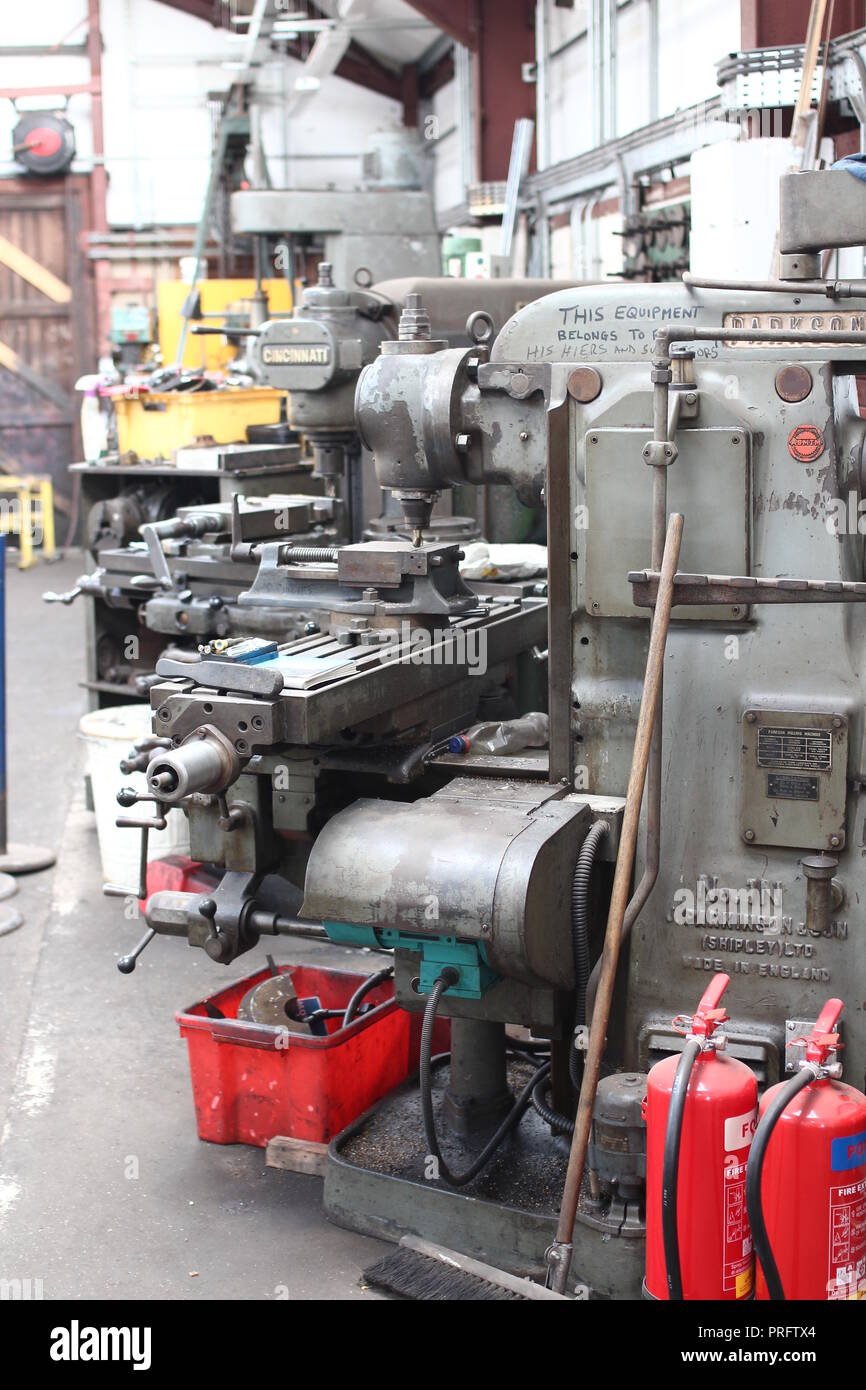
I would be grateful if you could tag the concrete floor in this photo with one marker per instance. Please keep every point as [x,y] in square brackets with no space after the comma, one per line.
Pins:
[94,1082]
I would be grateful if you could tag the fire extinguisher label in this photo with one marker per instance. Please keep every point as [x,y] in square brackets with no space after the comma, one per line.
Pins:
[847,1272]
[737,1249]
[847,1152]
[740,1131]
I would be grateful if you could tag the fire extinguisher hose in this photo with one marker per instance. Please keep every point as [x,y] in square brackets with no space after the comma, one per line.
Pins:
[670,1167]
[754,1173]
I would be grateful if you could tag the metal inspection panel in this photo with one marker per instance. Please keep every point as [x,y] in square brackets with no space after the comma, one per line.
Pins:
[709,483]
[794,778]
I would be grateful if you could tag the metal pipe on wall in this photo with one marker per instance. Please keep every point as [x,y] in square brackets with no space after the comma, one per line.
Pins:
[610,69]
[653,59]
[596,84]
[542,85]
[468,153]
[98,176]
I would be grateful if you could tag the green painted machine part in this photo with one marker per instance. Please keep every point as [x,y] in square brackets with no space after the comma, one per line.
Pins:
[468,958]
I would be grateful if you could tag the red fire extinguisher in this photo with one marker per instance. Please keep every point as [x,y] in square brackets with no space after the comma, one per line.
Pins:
[701,1112]
[806,1180]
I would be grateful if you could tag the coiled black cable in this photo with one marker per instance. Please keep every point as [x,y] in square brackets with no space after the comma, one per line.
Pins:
[754,1173]
[580,930]
[366,986]
[580,949]
[560,1124]
[449,977]
[670,1167]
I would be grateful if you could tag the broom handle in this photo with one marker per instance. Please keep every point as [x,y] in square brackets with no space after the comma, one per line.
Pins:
[559,1255]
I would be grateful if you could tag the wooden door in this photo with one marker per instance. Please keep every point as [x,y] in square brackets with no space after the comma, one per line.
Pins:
[46,326]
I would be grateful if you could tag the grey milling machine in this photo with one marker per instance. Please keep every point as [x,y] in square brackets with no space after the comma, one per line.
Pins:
[182,578]
[700,451]
[315,355]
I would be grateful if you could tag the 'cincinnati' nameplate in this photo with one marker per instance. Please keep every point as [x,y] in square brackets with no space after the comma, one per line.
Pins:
[296,355]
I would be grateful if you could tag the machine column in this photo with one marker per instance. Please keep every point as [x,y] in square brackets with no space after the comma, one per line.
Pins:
[477,1094]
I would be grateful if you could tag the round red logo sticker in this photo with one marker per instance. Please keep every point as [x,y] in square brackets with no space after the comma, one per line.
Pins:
[806,443]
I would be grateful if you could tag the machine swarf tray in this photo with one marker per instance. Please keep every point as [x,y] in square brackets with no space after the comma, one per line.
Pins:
[375,1183]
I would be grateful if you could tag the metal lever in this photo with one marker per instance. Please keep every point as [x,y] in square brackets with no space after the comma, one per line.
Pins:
[126,964]
[128,796]
[139,756]
[69,597]
[202,329]
[116,890]
[158,562]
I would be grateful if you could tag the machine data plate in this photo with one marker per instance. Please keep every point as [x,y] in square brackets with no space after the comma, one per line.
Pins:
[794,778]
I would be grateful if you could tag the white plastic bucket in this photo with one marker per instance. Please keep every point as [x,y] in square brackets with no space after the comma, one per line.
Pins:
[109,735]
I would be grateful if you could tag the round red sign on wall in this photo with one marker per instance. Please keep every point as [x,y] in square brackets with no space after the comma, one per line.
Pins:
[806,443]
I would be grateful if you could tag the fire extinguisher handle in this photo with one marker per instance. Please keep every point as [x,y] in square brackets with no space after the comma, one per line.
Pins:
[712,995]
[827,1019]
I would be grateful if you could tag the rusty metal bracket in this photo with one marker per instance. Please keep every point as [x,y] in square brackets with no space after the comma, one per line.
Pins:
[708,589]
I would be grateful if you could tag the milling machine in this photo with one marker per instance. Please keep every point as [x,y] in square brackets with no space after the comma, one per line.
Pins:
[195,570]
[316,353]
[179,584]
[735,407]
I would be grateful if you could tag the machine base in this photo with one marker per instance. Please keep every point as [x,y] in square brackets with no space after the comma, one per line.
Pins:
[10,920]
[26,859]
[8,887]
[375,1184]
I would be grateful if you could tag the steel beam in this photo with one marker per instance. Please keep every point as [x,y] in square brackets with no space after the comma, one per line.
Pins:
[501,39]
[454,17]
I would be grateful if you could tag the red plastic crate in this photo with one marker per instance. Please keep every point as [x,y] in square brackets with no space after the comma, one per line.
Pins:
[177,873]
[246,1090]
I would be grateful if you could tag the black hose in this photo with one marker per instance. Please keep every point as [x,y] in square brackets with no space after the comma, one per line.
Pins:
[670,1167]
[363,990]
[559,1123]
[446,979]
[754,1172]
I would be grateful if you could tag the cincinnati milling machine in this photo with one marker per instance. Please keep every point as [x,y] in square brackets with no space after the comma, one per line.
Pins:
[180,575]
[699,450]
[316,353]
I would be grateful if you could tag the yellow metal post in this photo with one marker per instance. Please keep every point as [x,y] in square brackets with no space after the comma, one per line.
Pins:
[25,530]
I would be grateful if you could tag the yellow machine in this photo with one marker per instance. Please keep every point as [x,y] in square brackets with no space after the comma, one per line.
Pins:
[155,425]
[210,352]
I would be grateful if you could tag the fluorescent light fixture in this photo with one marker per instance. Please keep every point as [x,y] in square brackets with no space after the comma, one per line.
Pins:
[306,26]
